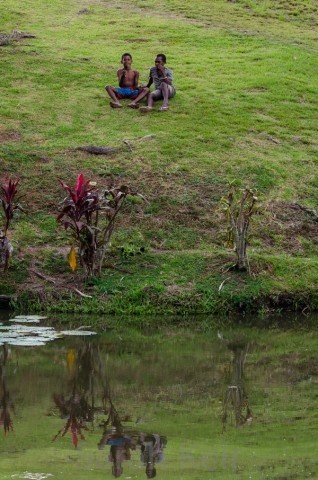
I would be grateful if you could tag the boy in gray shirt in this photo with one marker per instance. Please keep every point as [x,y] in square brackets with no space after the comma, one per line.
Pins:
[162,78]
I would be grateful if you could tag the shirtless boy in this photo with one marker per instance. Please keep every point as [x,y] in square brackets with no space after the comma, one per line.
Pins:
[162,78]
[128,85]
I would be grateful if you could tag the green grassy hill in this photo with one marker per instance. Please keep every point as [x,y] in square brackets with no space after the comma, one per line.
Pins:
[246,110]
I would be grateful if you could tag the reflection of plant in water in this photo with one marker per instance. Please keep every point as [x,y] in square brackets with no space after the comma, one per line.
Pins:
[75,417]
[90,392]
[6,404]
[235,397]
[113,418]
[79,407]
[5,417]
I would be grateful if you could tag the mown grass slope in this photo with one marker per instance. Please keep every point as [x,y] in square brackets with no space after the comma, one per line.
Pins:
[245,110]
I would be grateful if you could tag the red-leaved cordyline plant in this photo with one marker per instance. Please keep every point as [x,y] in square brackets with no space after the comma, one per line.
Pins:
[90,214]
[8,191]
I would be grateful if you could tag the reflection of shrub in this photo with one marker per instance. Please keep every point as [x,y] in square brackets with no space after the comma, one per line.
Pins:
[5,401]
[90,215]
[235,398]
[73,409]
[8,191]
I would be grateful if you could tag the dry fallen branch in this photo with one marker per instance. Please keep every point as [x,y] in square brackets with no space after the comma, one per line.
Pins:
[93,149]
[310,211]
[126,142]
[222,284]
[141,139]
[43,277]
[47,279]
[122,270]
[96,150]
[81,294]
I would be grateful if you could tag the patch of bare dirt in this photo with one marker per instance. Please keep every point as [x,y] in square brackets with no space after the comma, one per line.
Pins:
[10,136]
[256,90]
[294,369]
[261,139]
[293,223]
[83,11]
[14,36]
[177,202]
[176,290]
[292,366]
[138,40]
[47,286]
[296,10]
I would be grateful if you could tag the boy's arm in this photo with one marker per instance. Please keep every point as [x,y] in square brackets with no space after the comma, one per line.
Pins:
[167,76]
[120,76]
[168,80]
[136,80]
[150,81]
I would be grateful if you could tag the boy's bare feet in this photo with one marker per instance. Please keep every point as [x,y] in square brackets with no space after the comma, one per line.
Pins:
[133,105]
[145,109]
[115,104]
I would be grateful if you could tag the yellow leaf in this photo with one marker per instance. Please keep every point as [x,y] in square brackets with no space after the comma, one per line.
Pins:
[72,258]
[70,361]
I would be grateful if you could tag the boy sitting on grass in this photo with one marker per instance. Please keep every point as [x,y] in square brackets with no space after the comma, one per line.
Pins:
[128,85]
[162,78]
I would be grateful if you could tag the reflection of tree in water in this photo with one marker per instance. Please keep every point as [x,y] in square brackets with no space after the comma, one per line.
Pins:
[6,404]
[236,398]
[90,392]
[79,407]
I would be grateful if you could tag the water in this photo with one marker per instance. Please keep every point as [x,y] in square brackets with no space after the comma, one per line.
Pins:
[235,404]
